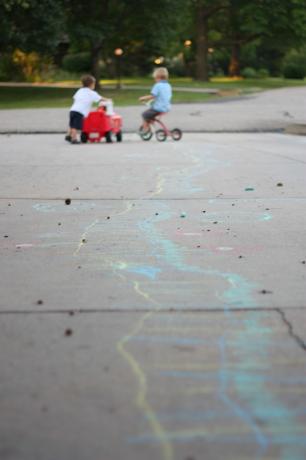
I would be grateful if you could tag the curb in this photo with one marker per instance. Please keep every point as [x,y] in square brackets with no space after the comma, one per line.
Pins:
[200,131]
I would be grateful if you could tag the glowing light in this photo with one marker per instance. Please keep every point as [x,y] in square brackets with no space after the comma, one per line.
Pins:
[118,52]
[159,60]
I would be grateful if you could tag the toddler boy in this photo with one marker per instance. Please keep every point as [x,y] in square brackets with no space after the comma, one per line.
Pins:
[83,100]
[161,94]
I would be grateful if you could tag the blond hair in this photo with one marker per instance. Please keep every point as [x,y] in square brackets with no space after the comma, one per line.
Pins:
[161,72]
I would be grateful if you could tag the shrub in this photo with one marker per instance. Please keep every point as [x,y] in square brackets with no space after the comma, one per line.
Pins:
[249,72]
[294,71]
[294,65]
[9,71]
[177,67]
[263,73]
[21,66]
[78,62]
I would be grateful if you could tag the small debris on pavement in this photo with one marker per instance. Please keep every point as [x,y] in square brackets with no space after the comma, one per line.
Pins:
[5,236]
[280,184]
[249,189]
[68,201]
[83,240]
[265,291]
[40,302]
[183,215]
[68,332]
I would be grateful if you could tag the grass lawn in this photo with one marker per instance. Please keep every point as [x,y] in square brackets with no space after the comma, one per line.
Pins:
[39,97]
[36,97]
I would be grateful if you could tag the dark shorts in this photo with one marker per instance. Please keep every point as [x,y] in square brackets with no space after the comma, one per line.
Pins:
[76,120]
[149,114]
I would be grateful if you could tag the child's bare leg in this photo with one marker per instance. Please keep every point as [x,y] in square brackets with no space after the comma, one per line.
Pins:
[73,133]
[145,125]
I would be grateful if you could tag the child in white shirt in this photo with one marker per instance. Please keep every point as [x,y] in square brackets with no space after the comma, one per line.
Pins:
[83,100]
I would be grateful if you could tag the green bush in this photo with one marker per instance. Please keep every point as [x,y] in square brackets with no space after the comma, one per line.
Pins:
[78,62]
[294,65]
[9,70]
[263,73]
[294,71]
[177,67]
[249,72]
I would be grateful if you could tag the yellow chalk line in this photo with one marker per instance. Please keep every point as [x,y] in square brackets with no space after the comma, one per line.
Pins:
[141,399]
[83,237]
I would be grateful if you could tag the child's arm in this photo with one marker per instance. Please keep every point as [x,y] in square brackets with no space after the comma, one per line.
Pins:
[104,99]
[148,97]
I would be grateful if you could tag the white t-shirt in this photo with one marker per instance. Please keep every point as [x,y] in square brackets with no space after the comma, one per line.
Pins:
[83,100]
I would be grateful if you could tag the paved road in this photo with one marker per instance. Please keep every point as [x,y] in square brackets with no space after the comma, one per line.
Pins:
[267,111]
[161,313]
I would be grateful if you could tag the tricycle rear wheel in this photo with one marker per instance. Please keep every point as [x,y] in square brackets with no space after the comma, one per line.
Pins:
[176,134]
[119,136]
[145,135]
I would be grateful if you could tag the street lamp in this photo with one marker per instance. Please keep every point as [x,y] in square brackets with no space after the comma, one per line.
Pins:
[118,53]
[187,43]
[159,60]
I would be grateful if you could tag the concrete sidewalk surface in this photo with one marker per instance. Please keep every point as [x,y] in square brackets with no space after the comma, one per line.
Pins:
[153,297]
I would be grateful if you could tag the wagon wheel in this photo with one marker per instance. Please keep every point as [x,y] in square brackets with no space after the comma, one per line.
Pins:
[84,137]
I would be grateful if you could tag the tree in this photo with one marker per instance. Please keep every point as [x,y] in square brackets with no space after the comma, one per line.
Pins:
[282,22]
[102,26]
[204,11]
[34,25]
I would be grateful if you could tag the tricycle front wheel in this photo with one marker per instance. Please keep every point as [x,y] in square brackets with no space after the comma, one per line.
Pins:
[161,135]
[119,136]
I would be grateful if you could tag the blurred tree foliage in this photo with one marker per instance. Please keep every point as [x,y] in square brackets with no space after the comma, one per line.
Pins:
[223,35]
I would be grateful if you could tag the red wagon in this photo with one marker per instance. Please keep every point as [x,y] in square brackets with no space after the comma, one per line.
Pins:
[98,125]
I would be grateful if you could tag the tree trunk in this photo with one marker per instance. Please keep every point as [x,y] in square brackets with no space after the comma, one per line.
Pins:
[234,66]
[201,43]
[95,64]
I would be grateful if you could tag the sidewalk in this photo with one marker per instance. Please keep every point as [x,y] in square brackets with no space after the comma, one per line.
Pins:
[269,111]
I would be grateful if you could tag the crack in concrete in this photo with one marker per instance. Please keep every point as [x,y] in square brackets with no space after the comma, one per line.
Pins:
[300,342]
[147,310]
